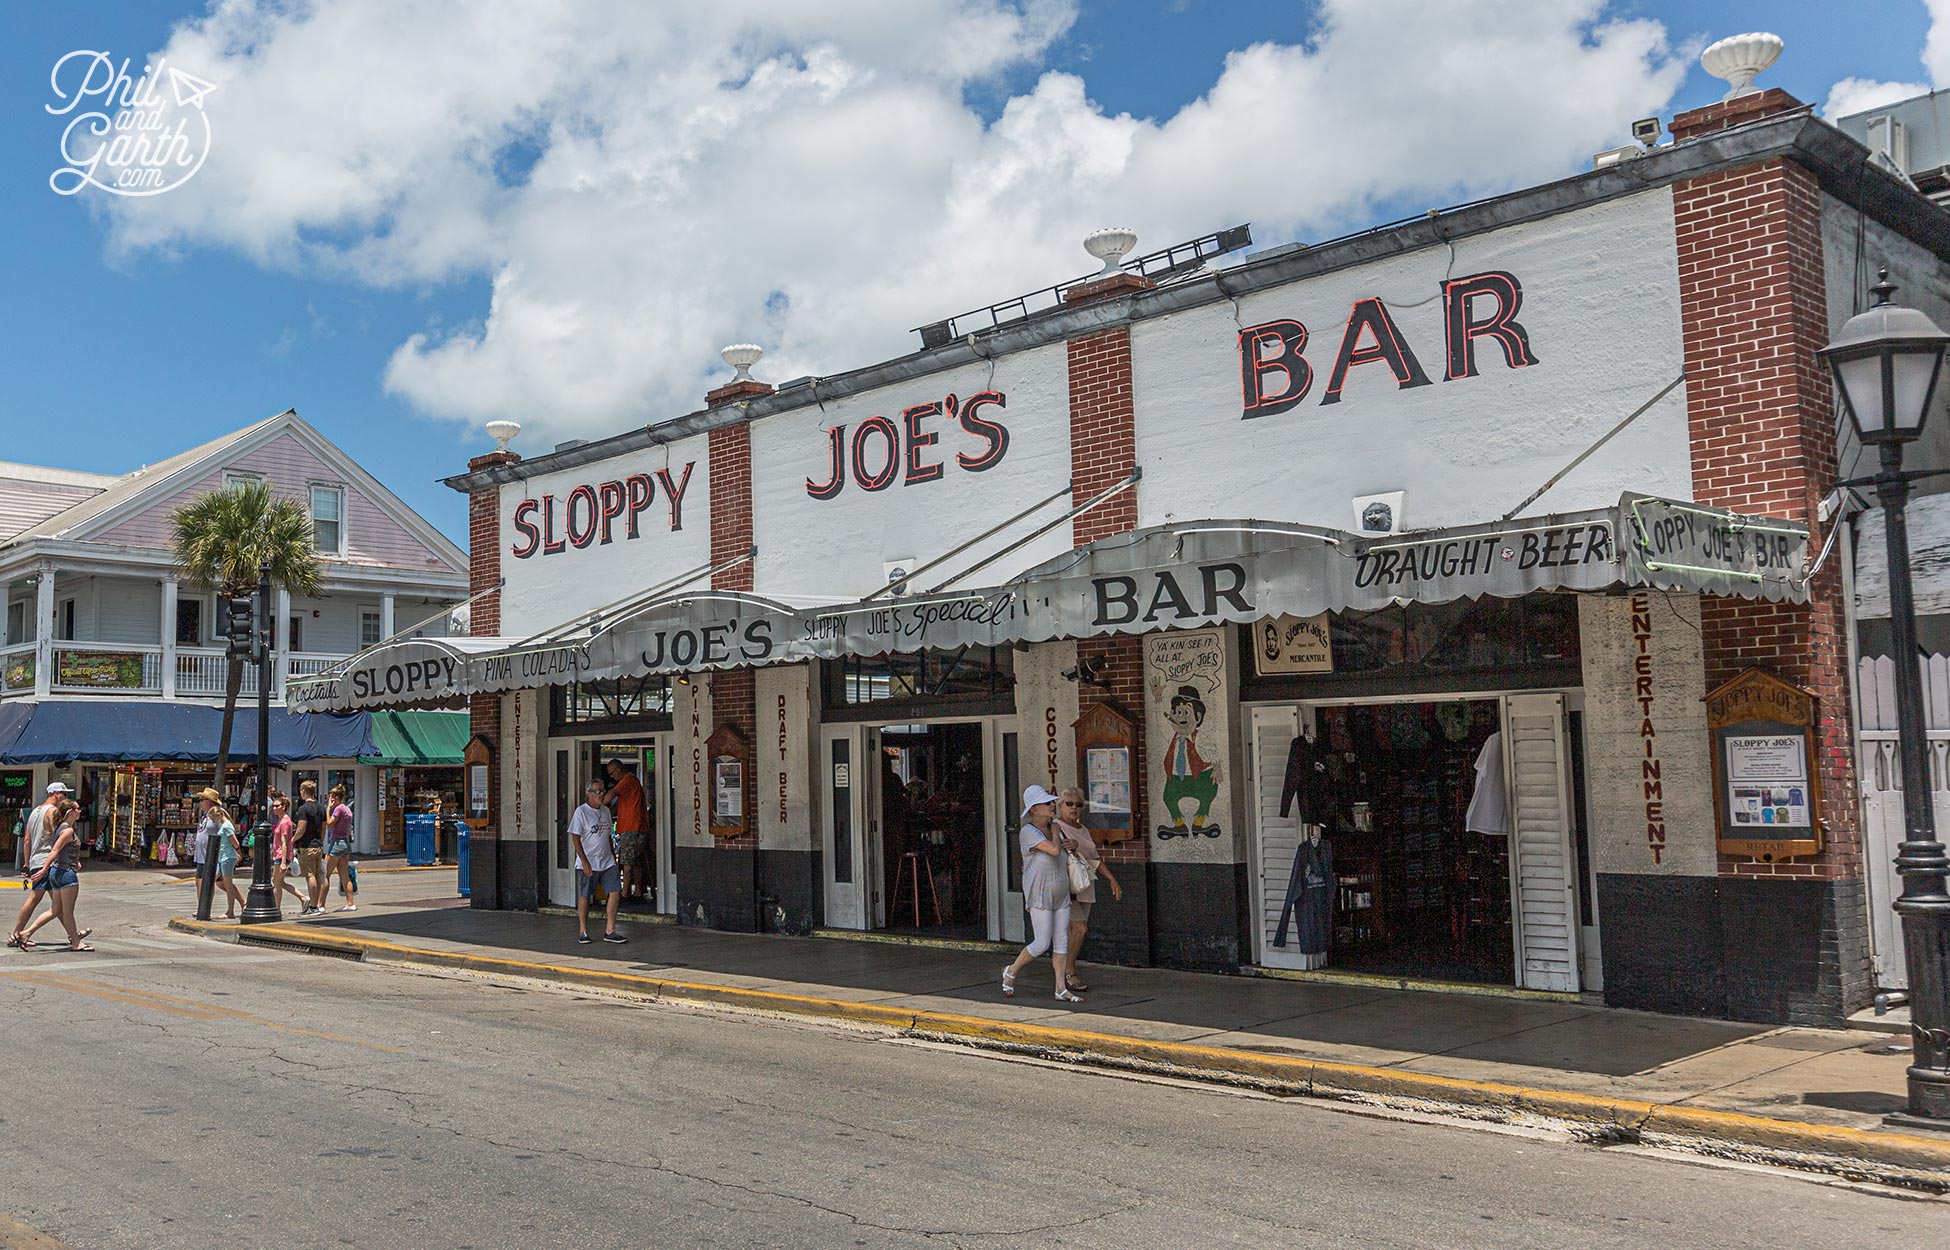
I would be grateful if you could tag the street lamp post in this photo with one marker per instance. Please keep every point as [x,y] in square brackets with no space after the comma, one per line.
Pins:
[261,906]
[1886,363]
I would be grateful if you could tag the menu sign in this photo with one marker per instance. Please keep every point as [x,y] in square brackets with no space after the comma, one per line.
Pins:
[1766,788]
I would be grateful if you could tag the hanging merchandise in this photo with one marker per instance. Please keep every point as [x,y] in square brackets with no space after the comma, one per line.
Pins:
[1309,904]
[1489,805]
[1308,781]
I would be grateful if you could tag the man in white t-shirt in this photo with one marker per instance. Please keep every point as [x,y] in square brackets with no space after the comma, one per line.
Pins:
[595,863]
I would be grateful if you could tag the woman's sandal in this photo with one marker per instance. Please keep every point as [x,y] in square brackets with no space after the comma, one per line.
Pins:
[20,942]
[1065,996]
[83,947]
[1008,983]
[1076,985]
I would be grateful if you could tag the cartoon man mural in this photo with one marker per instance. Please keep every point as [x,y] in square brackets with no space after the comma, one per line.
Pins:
[1188,775]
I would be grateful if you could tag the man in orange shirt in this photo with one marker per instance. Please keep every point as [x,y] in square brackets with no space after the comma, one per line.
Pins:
[625,796]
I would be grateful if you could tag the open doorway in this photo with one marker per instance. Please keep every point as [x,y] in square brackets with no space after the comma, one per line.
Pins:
[933,825]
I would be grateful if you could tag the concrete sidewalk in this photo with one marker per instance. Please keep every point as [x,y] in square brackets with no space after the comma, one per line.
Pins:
[1754,1089]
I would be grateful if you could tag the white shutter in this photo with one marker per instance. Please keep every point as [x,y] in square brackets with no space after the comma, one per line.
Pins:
[1273,731]
[1540,842]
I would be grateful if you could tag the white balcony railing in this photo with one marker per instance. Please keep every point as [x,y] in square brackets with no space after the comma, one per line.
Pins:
[201,673]
[304,665]
[109,668]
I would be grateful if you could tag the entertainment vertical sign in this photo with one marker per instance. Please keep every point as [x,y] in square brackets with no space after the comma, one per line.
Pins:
[1651,785]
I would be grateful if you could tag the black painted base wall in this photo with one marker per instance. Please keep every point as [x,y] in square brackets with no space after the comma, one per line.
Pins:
[1196,916]
[1120,929]
[717,888]
[524,866]
[791,891]
[1773,950]
[484,873]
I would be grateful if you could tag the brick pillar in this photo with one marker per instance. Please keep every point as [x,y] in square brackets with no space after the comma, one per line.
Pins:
[484,621]
[733,886]
[1762,425]
[1103,450]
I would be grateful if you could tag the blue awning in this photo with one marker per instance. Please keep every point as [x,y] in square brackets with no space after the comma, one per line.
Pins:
[13,718]
[108,731]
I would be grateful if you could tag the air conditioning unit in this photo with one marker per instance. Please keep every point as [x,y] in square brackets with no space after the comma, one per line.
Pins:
[1888,139]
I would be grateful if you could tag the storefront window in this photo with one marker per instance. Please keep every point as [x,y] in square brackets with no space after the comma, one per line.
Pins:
[965,675]
[624,699]
[1535,637]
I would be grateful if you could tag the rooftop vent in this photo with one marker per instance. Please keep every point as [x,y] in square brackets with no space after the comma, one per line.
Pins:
[570,444]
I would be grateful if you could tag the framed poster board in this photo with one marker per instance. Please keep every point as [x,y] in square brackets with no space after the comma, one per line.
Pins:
[1107,746]
[730,755]
[1766,775]
[477,773]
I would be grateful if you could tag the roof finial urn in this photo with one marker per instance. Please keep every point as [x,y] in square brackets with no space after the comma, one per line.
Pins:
[741,357]
[1109,246]
[503,433]
[1737,58]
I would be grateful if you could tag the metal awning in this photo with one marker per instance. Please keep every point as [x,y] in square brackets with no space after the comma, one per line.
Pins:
[1185,575]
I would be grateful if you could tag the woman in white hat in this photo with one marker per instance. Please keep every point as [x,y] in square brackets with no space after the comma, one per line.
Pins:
[1045,891]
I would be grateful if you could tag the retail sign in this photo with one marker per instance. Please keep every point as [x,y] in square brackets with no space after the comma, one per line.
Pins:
[1683,546]
[597,513]
[1766,778]
[98,670]
[410,671]
[1284,645]
[878,453]
[1275,376]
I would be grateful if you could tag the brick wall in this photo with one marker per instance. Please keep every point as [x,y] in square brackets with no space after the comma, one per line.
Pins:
[734,693]
[1103,450]
[1123,657]
[484,614]
[1103,432]
[1762,420]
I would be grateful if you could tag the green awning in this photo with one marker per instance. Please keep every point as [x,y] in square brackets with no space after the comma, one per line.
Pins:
[417,738]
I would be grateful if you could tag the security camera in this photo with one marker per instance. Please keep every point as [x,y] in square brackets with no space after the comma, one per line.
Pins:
[1646,131]
[1088,671]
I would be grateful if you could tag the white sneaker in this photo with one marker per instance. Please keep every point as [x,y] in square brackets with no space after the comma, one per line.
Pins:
[350,907]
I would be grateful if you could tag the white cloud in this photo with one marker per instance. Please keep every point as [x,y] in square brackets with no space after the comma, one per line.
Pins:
[1856,95]
[647,183]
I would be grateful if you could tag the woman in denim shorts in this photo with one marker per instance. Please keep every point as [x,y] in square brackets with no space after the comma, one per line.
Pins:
[60,878]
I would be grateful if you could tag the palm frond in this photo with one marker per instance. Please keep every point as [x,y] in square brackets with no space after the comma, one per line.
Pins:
[220,538]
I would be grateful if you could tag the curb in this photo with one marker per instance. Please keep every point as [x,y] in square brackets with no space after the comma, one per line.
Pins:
[1901,1159]
[371,871]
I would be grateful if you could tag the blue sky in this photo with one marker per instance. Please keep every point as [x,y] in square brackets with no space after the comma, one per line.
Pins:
[116,357]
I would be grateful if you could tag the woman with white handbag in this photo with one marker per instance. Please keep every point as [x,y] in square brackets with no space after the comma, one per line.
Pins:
[1045,892]
[1086,865]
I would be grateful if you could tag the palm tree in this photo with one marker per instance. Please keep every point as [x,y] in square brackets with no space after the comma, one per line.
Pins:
[220,539]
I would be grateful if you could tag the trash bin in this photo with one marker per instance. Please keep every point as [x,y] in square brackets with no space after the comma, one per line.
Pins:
[466,884]
[419,839]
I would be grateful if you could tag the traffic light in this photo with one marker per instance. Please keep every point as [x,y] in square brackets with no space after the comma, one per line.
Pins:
[238,626]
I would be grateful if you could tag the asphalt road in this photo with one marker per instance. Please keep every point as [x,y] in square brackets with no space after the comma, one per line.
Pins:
[172,1091]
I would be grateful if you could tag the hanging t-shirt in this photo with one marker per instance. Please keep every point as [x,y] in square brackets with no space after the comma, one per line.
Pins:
[1489,804]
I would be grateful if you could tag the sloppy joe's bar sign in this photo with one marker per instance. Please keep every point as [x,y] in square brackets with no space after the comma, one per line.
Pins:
[599,513]
[1275,375]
